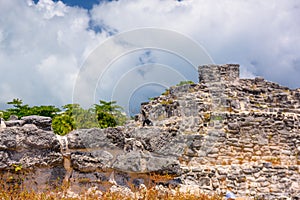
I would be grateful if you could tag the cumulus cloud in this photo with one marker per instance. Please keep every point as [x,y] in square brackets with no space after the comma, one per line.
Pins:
[43,45]
[263,36]
[41,49]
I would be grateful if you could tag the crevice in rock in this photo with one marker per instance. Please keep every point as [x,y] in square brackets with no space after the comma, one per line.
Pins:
[66,157]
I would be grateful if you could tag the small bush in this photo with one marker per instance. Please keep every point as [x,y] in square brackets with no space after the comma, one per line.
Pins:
[168,102]
[166,93]
[185,83]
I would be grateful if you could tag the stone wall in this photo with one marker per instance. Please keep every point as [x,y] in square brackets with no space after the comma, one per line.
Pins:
[218,73]
[262,181]
[222,133]
[239,122]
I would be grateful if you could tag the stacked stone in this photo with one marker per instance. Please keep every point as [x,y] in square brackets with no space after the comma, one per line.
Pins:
[219,73]
[222,133]
[242,122]
[262,181]
[189,108]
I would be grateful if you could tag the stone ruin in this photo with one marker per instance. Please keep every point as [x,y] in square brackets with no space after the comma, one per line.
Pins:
[223,132]
[219,73]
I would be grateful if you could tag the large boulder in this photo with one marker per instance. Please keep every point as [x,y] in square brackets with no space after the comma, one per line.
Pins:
[31,156]
[95,138]
[30,147]
[138,150]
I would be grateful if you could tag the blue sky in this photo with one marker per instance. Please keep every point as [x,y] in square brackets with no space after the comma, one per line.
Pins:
[44,44]
[87,4]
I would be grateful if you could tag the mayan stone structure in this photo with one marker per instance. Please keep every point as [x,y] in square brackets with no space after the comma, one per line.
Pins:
[223,133]
[245,131]
[219,73]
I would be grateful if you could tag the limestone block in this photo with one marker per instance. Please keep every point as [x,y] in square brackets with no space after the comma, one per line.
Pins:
[41,122]
[30,147]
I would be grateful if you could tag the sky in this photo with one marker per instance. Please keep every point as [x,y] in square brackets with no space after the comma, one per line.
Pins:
[45,45]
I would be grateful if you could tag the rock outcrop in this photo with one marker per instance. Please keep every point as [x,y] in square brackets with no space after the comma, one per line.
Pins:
[40,122]
[34,152]
[223,132]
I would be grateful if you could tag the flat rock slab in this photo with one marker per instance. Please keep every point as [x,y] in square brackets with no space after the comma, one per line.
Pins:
[41,122]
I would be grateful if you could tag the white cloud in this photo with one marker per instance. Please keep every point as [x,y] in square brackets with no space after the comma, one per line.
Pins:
[51,9]
[263,32]
[42,46]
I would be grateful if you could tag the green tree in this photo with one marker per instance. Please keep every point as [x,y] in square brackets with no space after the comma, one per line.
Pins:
[106,120]
[21,110]
[48,111]
[74,117]
[63,124]
[18,109]
[109,114]
[103,115]
[84,118]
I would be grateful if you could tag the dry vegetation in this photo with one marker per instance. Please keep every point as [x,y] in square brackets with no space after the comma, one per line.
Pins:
[15,191]
[149,194]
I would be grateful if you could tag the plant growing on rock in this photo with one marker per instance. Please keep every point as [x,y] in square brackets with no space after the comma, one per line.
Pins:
[166,93]
[17,167]
[184,83]
[167,102]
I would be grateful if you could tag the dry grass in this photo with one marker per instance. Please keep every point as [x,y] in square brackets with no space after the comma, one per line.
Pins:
[15,191]
[147,195]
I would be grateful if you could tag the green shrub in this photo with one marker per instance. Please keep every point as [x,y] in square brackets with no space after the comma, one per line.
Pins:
[103,115]
[63,124]
[166,93]
[21,110]
[184,83]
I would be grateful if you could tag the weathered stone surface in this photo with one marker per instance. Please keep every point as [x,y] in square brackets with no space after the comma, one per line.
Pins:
[41,122]
[34,153]
[218,73]
[29,147]
[12,123]
[96,138]
[90,162]
[136,161]
[159,141]
[223,132]
[2,124]
[13,118]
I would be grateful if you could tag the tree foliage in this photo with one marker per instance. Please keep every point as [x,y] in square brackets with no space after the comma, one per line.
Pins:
[63,124]
[21,110]
[103,115]
[73,116]
[109,114]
